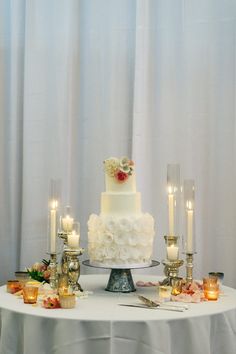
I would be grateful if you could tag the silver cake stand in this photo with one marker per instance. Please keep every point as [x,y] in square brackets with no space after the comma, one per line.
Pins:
[120,279]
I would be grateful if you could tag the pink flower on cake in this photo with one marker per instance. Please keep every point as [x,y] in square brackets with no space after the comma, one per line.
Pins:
[121,176]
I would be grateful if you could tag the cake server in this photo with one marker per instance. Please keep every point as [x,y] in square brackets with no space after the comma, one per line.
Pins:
[157,307]
[150,303]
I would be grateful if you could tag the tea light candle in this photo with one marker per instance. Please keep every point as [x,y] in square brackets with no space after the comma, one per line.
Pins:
[13,286]
[63,290]
[67,301]
[211,294]
[30,294]
[164,293]
[73,240]
[211,288]
[67,223]
[172,252]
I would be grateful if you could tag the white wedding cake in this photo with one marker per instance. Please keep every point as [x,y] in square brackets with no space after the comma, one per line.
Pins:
[121,236]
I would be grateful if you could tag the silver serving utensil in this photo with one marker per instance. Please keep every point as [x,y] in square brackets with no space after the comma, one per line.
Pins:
[157,307]
[151,303]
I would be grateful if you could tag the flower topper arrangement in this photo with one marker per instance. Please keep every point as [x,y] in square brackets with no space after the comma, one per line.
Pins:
[120,169]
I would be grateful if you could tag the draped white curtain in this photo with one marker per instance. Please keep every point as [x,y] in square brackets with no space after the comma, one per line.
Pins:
[82,80]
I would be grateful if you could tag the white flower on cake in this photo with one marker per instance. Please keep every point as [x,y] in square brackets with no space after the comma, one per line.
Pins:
[124,253]
[110,253]
[111,166]
[125,225]
[119,238]
[95,223]
[107,237]
[135,253]
[139,225]
[148,223]
[111,224]
[133,239]
[99,253]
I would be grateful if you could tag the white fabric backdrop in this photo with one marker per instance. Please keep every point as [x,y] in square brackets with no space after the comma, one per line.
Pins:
[84,80]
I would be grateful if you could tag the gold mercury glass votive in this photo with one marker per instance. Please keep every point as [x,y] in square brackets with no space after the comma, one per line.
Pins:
[63,284]
[30,294]
[13,286]
[176,284]
[211,288]
[67,301]
[164,293]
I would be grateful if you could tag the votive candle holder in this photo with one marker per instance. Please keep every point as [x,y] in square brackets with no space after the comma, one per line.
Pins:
[211,288]
[30,294]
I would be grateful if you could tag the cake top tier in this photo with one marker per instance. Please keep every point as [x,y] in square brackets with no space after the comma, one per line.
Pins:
[119,175]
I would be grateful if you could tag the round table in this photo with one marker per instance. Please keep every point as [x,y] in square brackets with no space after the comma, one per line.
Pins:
[99,325]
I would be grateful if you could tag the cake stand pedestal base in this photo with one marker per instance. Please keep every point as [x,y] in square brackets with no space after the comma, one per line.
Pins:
[120,280]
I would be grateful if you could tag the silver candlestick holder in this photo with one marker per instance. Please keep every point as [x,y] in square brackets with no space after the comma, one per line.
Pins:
[64,264]
[53,270]
[189,267]
[172,263]
[171,270]
[72,266]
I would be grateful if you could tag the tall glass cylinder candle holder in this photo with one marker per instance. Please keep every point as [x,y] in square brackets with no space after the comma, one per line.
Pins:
[172,248]
[67,221]
[54,195]
[189,202]
[173,189]
[74,237]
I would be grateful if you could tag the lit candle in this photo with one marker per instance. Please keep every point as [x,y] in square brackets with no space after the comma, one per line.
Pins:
[73,240]
[172,252]
[53,226]
[67,223]
[171,211]
[211,294]
[189,245]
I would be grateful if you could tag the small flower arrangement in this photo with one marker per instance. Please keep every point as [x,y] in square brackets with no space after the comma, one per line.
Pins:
[120,169]
[40,271]
[51,302]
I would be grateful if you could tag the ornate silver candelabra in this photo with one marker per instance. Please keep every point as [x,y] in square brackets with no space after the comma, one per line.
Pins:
[172,263]
[70,264]
[189,267]
[53,270]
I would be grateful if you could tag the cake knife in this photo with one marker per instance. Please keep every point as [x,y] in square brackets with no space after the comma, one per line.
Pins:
[158,307]
[150,303]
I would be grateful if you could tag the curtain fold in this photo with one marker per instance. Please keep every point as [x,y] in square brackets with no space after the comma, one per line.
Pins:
[86,80]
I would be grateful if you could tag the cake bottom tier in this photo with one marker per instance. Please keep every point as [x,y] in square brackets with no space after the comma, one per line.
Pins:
[120,241]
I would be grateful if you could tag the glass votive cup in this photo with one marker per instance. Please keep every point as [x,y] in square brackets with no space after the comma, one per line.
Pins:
[176,284]
[218,275]
[30,294]
[13,286]
[164,293]
[67,301]
[211,288]
[63,284]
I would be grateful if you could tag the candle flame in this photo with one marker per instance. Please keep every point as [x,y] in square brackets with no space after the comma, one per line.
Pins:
[171,189]
[54,204]
[189,205]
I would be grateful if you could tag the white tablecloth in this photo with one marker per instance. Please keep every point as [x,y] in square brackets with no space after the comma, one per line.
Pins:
[98,325]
